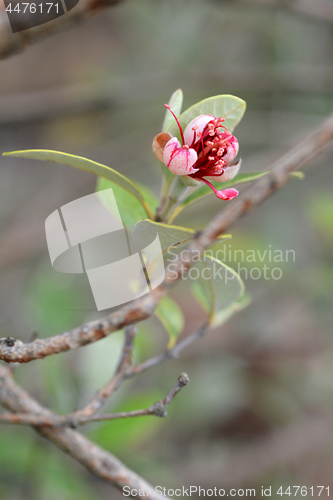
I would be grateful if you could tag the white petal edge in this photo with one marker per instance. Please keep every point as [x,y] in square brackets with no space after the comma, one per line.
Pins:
[199,121]
[229,173]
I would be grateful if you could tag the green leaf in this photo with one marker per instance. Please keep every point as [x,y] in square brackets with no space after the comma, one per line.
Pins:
[131,210]
[227,106]
[88,166]
[171,317]
[145,232]
[148,195]
[225,314]
[176,102]
[202,192]
[217,289]
[299,175]
[237,306]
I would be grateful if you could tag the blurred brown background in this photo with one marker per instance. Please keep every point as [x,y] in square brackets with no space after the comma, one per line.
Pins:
[259,407]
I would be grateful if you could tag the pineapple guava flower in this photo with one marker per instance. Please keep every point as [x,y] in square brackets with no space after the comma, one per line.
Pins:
[205,154]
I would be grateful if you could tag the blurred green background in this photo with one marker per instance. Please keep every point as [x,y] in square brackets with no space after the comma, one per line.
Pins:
[259,407]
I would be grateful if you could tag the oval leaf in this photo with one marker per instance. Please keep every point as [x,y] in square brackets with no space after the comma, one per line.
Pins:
[225,314]
[131,210]
[171,316]
[87,165]
[145,232]
[227,106]
[218,287]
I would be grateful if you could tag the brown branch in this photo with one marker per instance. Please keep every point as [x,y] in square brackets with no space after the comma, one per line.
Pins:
[319,9]
[11,43]
[171,353]
[37,420]
[98,461]
[122,373]
[143,308]
[12,350]
[158,409]
[126,355]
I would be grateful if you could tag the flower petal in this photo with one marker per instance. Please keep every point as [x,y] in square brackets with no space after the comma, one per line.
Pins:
[232,150]
[230,171]
[179,160]
[227,194]
[199,121]
[169,149]
[159,143]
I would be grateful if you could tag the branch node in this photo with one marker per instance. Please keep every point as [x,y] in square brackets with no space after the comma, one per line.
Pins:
[8,342]
[173,353]
[183,379]
[197,234]
[71,422]
[158,409]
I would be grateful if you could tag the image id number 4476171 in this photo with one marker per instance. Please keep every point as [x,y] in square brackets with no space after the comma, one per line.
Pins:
[24,15]
[32,8]
[304,491]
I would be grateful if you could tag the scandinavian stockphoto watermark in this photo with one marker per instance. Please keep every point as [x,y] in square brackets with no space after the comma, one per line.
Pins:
[250,264]
[24,15]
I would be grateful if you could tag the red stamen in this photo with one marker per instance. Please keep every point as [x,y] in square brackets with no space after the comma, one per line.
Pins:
[175,117]
[209,184]
[202,143]
[194,135]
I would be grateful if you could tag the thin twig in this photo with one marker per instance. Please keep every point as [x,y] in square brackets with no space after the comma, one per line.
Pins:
[158,409]
[143,308]
[125,371]
[125,362]
[98,461]
[122,372]
[171,353]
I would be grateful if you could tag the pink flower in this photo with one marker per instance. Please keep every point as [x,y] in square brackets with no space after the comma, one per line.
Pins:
[205,154]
